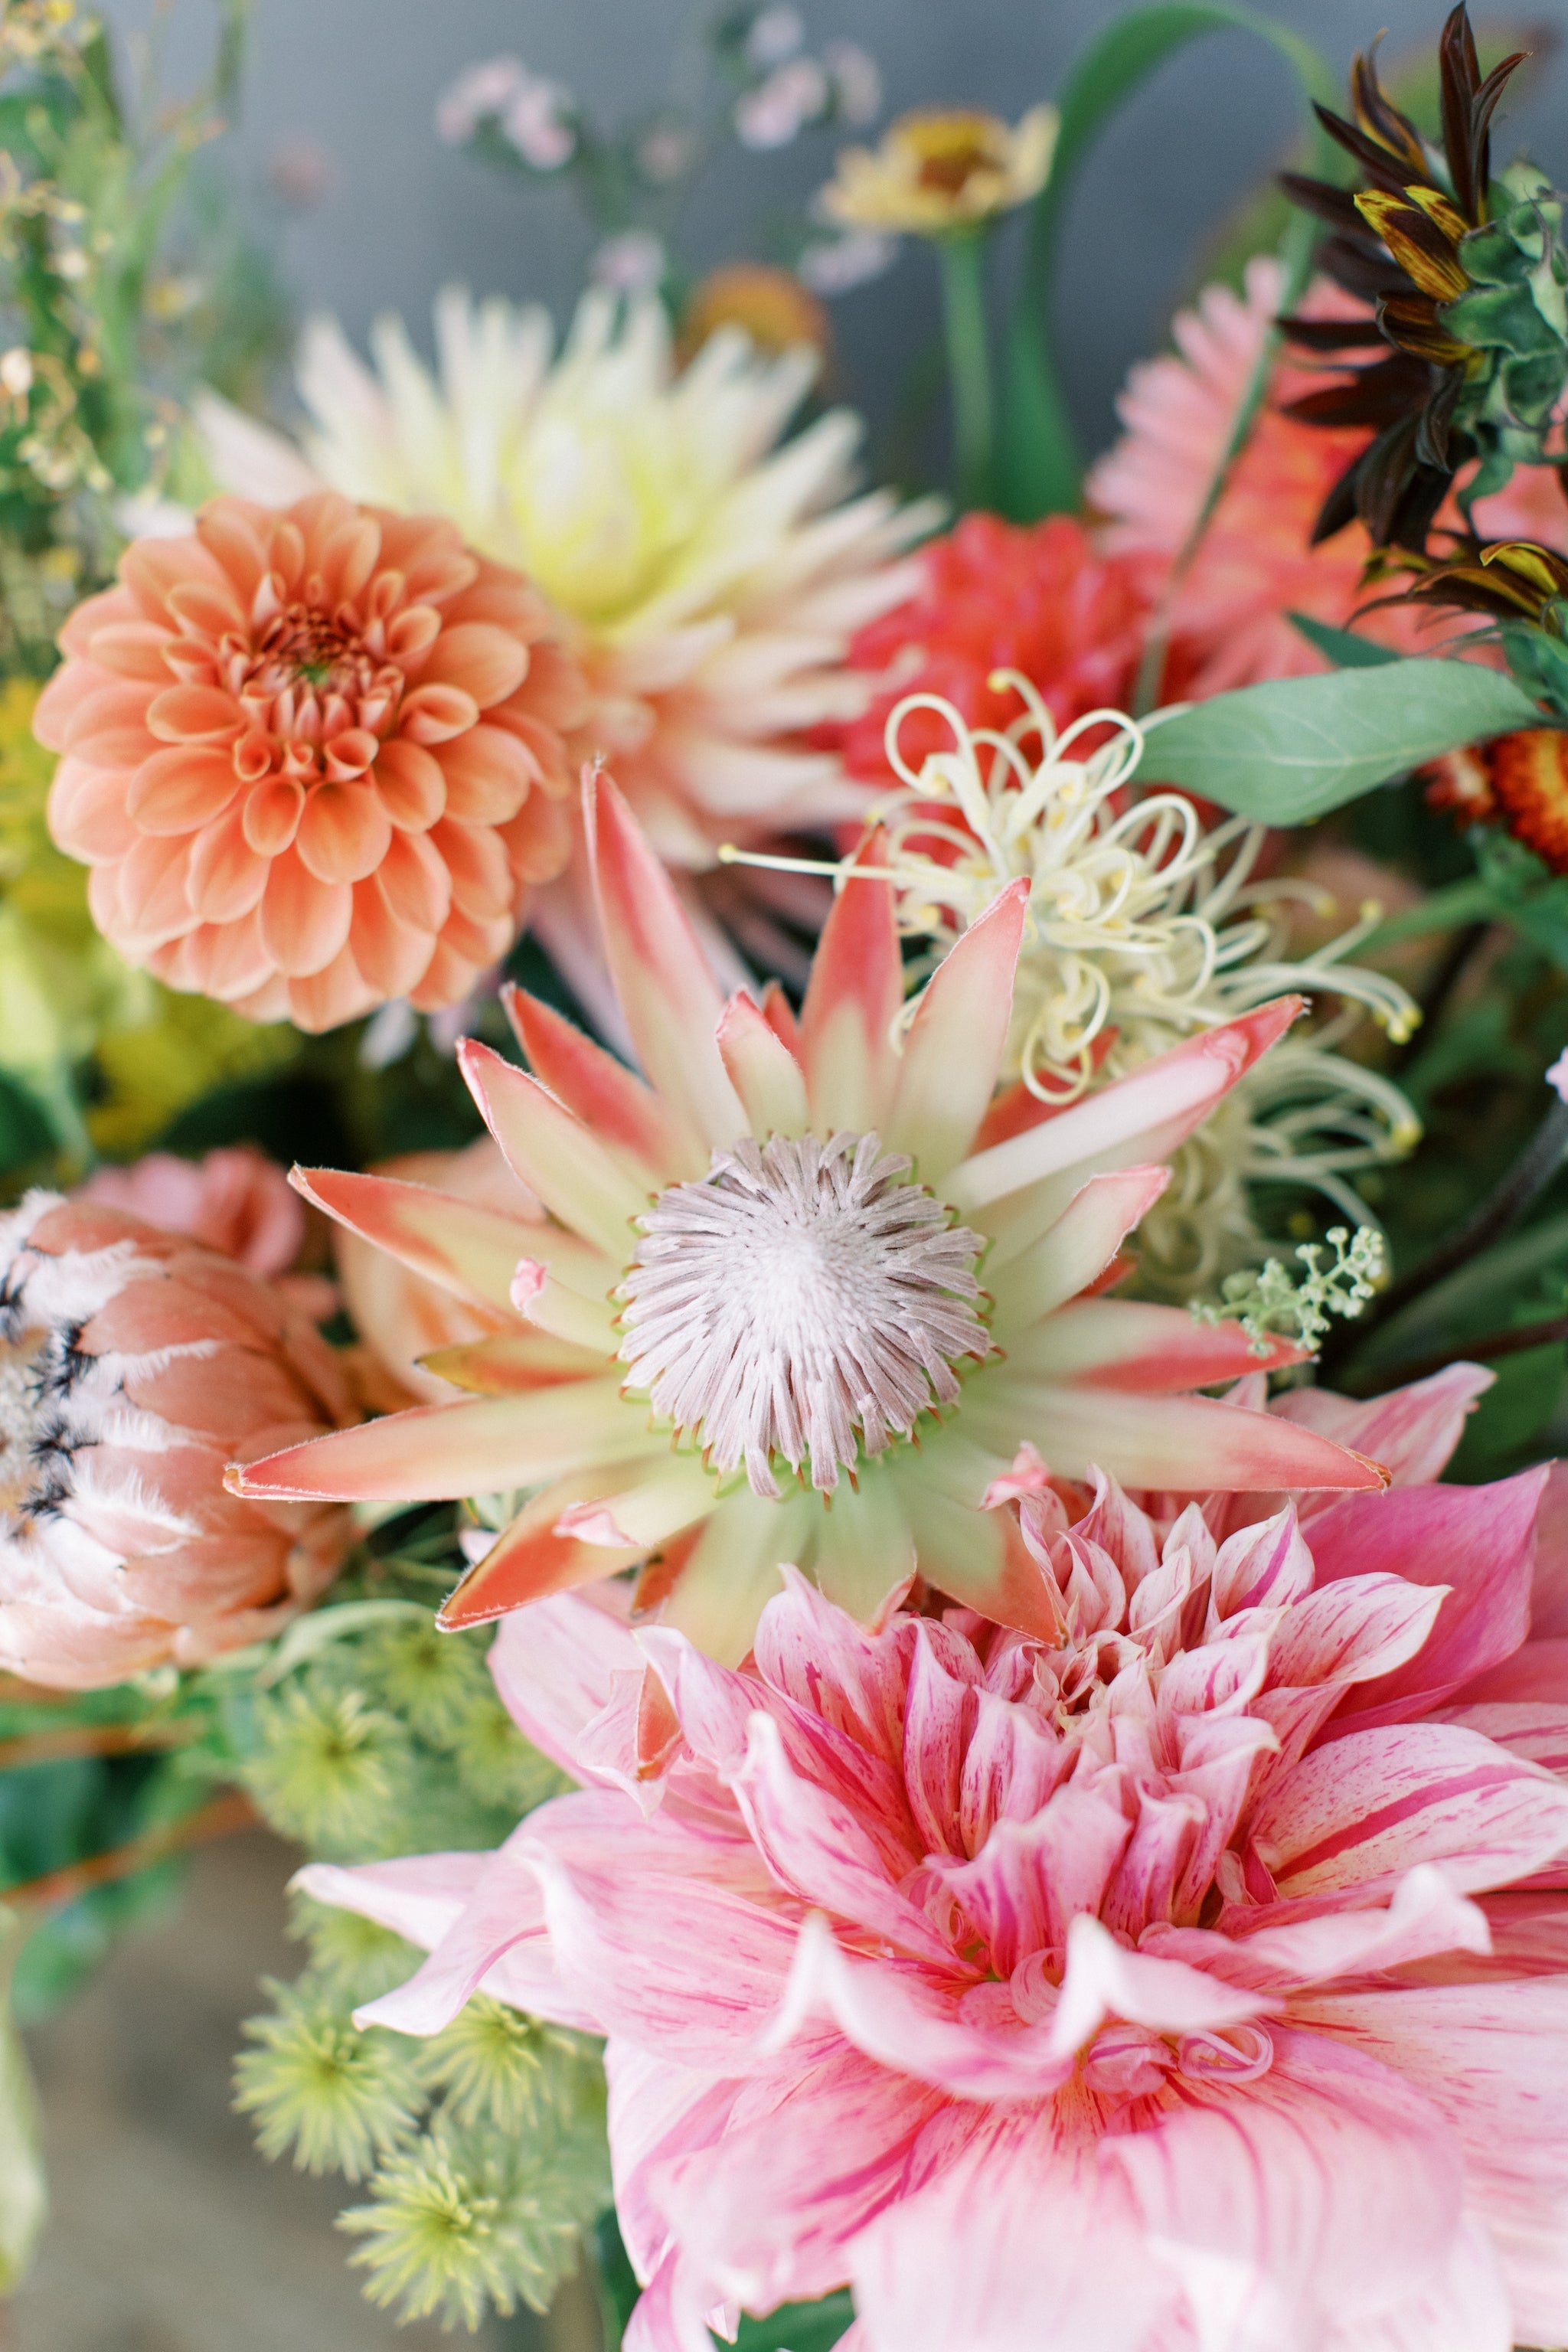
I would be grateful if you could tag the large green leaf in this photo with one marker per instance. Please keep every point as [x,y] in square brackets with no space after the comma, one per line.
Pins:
[1291,749]
[1040,461]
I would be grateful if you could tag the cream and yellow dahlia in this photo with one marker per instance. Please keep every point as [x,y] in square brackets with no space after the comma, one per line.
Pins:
[799,1295]
[712,572]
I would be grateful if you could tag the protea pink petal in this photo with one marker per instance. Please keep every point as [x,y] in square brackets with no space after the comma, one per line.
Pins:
[1120,1344]
[1017,1189]
[763,1070]
[1411,1430]
[1077,1250]
[670,1003]
[854,998]
[1178,1444]
[508,1364]
[604,1094]
[467,1249]
[440,1451]
[953,1054]
[555,1154]
[533,1557]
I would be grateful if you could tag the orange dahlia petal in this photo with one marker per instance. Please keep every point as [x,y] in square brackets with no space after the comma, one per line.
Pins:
[185,714]
[226,877]
[489,772]
[178,789]
[432,714]
[272,813]
[87,815]
[417,882]
[412,783]
[304,922]
[324,999]
[393,955]
[344,832]
[479,659]
[1530,781]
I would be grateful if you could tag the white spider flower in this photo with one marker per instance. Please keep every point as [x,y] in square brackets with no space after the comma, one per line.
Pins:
[1143,927]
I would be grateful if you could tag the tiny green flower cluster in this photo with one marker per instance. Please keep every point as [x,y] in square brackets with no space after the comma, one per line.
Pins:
[483,2148]
[1271,1301]
[385,1737]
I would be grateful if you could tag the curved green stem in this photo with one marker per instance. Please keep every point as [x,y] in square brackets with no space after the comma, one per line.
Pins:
[962,263]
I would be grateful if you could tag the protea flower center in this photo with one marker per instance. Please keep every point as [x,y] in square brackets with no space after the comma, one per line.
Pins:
[23,1419]
[801,1300]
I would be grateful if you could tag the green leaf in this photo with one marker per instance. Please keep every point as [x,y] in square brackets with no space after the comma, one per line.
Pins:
[1291,749]
[1341,646]
[798,2326]
[1040,462]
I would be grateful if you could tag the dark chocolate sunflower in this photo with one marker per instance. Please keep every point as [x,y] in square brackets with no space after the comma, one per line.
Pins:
[1469,281]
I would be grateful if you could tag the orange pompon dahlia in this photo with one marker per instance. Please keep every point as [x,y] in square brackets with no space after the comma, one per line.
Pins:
[133,1365]
[313,757]
[800,1296]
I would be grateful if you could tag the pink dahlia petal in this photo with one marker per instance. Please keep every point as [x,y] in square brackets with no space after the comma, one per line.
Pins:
[1479,1542]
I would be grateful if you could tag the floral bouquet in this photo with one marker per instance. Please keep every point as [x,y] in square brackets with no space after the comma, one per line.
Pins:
[878,1495]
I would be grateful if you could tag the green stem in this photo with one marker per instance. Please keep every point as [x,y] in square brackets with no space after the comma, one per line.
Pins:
[1470,901]
[963,263]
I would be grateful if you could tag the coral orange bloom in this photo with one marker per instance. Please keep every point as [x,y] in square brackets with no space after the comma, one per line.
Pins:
[1190,1974]
[312,756]
[133,1364]
[794,1302]
[1038,599]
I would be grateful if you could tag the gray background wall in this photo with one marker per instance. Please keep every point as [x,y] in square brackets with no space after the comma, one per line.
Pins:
[360,79]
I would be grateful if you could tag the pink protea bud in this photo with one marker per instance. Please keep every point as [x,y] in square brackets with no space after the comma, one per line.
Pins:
[135,1365]
[234,1200]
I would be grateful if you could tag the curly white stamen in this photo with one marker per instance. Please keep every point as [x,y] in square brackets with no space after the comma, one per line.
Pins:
[801,1300]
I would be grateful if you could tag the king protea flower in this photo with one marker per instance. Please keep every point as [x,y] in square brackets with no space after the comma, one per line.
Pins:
[313,757]
[133,1364]
[709,576]
[1188,1973]
[803,1296]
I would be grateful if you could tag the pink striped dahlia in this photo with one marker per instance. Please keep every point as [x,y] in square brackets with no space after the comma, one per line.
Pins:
[133,1365]
[1193,1972]
[312,756]
[794,1302]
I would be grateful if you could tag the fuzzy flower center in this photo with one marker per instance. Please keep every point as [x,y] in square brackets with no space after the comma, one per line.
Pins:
[804,1300]
[31,1464]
